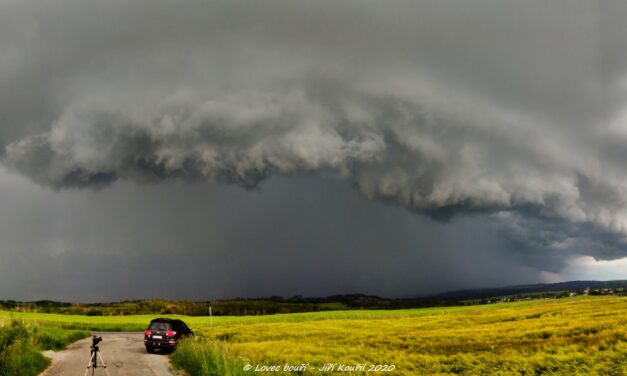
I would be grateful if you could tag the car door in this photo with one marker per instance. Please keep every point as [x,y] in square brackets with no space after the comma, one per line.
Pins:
[185,331]
[188,331]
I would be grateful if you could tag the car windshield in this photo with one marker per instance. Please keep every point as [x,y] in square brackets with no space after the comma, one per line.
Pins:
[159,326]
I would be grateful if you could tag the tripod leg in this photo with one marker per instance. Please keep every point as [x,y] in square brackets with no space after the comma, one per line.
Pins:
[91,360]
[104,365]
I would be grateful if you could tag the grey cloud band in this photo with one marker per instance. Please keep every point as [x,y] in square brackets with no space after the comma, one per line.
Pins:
[443,110]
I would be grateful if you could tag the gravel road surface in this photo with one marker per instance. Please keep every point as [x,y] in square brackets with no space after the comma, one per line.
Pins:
[123,353]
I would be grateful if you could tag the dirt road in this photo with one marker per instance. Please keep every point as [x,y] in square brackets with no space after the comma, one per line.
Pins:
[123,353]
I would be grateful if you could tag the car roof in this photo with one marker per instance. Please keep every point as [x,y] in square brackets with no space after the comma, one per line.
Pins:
[162,319]
[166,320]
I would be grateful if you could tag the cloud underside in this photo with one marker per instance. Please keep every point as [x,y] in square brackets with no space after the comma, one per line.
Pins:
[495,117]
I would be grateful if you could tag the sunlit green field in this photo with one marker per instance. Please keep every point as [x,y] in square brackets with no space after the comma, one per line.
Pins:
[583,335]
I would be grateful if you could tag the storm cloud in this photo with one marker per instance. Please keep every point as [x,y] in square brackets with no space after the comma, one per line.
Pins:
[508,114]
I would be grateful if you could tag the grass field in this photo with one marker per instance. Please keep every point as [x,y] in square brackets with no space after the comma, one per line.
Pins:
[21,343]
[572,336]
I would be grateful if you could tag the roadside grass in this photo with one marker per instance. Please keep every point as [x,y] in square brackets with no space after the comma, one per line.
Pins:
[51,337]
[21,344]
[207,359]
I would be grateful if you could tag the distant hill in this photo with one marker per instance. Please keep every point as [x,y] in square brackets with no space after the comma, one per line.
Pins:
[230,307]
[527,289]
[278,304]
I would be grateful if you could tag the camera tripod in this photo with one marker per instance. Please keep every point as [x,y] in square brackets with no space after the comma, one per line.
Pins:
[93,359]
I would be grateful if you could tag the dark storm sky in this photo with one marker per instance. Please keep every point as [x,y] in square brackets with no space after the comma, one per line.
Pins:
[395,148]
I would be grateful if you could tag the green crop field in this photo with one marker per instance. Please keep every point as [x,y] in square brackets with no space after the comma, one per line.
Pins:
[571,336]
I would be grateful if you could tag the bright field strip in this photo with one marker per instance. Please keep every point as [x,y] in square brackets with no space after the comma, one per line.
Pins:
[581,335]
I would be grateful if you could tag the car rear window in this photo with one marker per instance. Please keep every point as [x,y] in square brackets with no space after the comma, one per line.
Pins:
[159,326]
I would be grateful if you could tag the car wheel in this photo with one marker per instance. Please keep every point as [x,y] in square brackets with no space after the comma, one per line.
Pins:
[150,349]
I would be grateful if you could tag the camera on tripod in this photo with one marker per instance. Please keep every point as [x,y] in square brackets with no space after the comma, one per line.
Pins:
[95,340]
[93,358]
